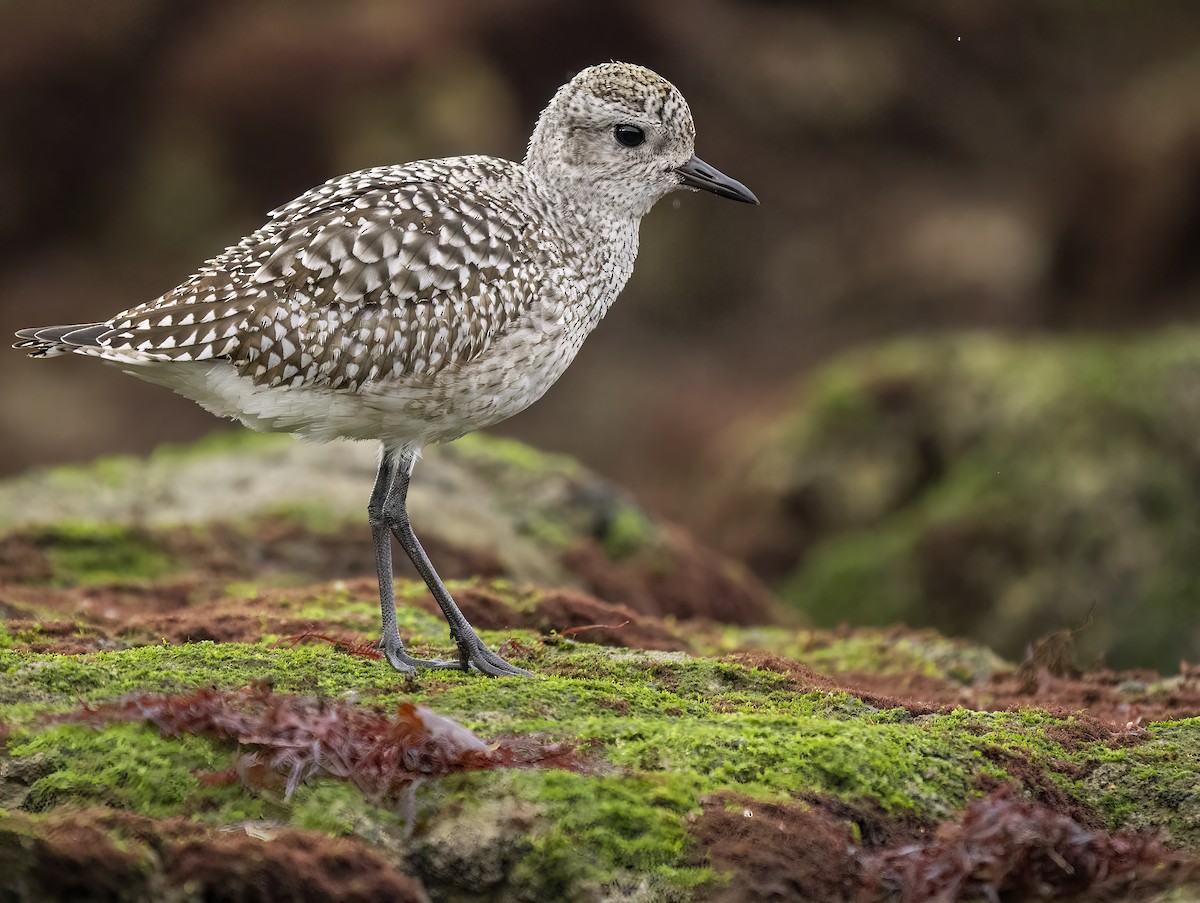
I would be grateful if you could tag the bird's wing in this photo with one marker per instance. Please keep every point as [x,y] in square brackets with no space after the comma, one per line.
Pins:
[341,288]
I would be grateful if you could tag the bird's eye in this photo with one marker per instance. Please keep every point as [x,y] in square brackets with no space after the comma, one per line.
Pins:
[629,135]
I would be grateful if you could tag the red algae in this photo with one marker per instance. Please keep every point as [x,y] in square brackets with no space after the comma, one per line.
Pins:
[1006,848]
[359,648]
[1001,848]
[305,737]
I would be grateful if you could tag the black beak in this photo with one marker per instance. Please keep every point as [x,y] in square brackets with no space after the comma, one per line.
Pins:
[695,173]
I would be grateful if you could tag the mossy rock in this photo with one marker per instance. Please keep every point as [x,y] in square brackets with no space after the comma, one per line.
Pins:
[996,488]
[667,743]
[195,572]
[267,509]
[663,735]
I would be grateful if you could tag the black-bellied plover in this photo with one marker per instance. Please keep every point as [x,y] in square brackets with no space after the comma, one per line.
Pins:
[413,304]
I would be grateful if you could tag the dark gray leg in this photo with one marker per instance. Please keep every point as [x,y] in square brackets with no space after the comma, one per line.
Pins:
[472,652]
[392,645]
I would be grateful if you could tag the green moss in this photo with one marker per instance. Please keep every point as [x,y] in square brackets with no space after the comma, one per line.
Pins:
[627,824]
[837,400]
[1152,785]
[866,651]
[113,472]
[660,732]
[219,442]
[58,682]
[629,530]
[336,605]
[903,767]
[497,449]
[121,471]
[314,517]
[578,834]
[872,569]
[82,553]
[728,725]
[548,533]
[337,808]
[132,766]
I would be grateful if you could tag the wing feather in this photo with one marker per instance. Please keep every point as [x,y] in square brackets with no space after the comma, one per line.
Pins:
[376,275]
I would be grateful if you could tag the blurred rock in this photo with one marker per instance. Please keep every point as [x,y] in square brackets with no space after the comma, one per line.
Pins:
[997,488]
[248,507]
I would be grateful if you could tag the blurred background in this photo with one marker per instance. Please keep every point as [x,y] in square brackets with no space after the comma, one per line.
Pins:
[1032,170]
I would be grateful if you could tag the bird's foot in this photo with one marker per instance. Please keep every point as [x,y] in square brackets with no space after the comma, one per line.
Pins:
[485,661]
[474,655]
[407,664]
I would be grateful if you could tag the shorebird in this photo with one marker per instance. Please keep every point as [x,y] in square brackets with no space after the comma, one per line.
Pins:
[412,304]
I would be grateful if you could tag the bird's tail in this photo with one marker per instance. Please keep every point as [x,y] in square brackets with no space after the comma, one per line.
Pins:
[51,341]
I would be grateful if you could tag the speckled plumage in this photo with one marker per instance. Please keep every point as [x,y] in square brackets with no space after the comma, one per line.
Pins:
[412,304]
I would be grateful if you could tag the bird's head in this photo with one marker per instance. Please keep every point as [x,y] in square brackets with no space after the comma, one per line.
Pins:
[620,135]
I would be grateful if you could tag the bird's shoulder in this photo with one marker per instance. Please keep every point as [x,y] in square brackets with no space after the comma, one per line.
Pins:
[485,179]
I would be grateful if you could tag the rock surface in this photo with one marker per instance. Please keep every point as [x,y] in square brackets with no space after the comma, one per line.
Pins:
[192,708]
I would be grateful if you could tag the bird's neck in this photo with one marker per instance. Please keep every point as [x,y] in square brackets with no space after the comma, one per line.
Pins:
[603,235]
[588,219]
[548,163]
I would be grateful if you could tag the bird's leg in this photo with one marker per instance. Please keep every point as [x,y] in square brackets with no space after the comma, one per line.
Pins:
[392,645]
[471,649]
